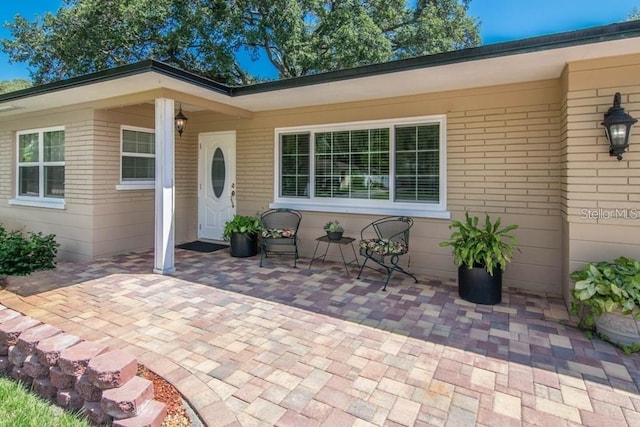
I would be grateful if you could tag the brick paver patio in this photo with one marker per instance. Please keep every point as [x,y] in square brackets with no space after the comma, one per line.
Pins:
[296,347]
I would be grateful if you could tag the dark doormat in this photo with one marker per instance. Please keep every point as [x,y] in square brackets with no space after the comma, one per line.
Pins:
[199,246]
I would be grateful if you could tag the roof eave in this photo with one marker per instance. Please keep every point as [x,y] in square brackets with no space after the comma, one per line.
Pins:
[141,67]
[600,34]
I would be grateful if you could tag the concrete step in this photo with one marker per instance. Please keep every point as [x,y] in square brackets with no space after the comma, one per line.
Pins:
[5,365]
[151,416]
[34,368]
[112,369]
[43,387]
[48,350]
[87,390]
[74,360]
[94,413]
[8,314]
[11,329]
[29,339]
[69,399]
[129,400]
[60,380]
[18,374]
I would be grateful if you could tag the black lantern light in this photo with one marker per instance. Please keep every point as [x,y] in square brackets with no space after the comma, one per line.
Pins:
[181,121]
[617,125]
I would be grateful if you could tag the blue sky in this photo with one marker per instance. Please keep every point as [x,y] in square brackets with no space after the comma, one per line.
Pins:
[501,20]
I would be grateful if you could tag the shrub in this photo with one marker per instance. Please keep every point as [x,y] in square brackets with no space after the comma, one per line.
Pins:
[22,254]
[605,287]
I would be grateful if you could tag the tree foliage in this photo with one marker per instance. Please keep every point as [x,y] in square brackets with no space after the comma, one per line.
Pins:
[634,15]
[298,37]
[13,85]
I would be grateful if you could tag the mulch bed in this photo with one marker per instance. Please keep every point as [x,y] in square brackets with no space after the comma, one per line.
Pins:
[166,393]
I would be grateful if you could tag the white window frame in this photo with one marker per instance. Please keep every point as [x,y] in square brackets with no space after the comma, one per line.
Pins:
[41,200]
[364,206]
[134,185]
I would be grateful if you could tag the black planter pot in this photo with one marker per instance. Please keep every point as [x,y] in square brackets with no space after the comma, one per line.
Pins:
[478,286]
[243,245]
[334,235]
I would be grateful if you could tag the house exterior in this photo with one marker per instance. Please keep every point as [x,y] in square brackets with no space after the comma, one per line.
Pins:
[511,129]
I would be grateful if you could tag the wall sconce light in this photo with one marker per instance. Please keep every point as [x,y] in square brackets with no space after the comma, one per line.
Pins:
[181,121]
[617,125]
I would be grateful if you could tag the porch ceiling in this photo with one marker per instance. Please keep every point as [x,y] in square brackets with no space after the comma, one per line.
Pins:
[512,62]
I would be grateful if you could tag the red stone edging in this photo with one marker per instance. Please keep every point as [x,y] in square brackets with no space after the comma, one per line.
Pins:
[77,374]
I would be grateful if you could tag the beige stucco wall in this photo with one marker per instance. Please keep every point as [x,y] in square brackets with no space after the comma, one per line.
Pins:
[601,201]
[73,226]
[97,220]
[503,158]
[534,154]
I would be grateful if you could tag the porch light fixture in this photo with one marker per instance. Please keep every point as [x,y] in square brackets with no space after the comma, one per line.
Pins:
[617,125]
[181,121]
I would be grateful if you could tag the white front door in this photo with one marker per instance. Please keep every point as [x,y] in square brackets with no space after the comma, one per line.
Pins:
[216,182]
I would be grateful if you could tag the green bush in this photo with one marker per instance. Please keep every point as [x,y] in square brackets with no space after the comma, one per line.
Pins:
[605,287]
[22,254]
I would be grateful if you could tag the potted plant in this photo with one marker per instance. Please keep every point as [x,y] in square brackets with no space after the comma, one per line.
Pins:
[606,297]
[334,230]
[242,233]
[481,254]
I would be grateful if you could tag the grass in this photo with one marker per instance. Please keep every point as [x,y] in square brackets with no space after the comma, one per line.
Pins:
[19,407]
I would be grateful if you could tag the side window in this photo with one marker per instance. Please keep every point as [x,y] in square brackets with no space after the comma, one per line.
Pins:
[294,165]
[138,153]
[41,164]
[417,163]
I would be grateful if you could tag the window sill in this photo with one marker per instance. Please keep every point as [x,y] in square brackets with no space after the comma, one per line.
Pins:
[136,186]
[409,210]
[38,203]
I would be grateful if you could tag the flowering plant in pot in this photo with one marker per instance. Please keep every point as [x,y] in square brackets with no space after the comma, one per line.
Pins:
[242,233]
[334,230]
[606,297]
[481,253]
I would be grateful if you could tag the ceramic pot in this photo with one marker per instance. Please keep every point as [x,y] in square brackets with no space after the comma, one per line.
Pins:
[243,245]
[334,235]
[619,328]
[478,286]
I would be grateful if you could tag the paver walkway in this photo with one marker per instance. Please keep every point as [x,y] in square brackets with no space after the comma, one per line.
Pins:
[297,347]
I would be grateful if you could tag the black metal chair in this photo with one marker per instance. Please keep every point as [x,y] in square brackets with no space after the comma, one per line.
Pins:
[384,241]
[279,230]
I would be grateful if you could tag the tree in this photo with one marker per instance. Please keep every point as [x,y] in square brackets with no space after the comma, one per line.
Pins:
[13,85]
[297,37]
[635,14]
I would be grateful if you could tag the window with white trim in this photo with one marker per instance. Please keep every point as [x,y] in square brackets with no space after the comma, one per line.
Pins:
[138,155]
[385,166]
[41,165]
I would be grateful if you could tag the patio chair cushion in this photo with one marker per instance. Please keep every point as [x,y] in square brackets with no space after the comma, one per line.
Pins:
[384,246]
[278,233]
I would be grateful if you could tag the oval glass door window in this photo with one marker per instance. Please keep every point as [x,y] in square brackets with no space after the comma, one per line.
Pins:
[218,172]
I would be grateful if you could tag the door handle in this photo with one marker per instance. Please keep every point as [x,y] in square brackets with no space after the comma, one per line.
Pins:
[233,194]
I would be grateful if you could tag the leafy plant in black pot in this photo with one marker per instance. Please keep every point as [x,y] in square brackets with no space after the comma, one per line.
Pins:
[481,254]
[242,233]
[334,230]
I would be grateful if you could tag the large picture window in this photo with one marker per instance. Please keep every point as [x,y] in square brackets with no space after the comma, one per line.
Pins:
[41,165]
[369,167]
[138,156]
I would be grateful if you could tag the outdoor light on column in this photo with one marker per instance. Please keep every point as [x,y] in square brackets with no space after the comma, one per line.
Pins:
[617,125]
[181,121]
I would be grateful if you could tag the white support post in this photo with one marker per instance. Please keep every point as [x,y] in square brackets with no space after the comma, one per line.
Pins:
[165,188]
